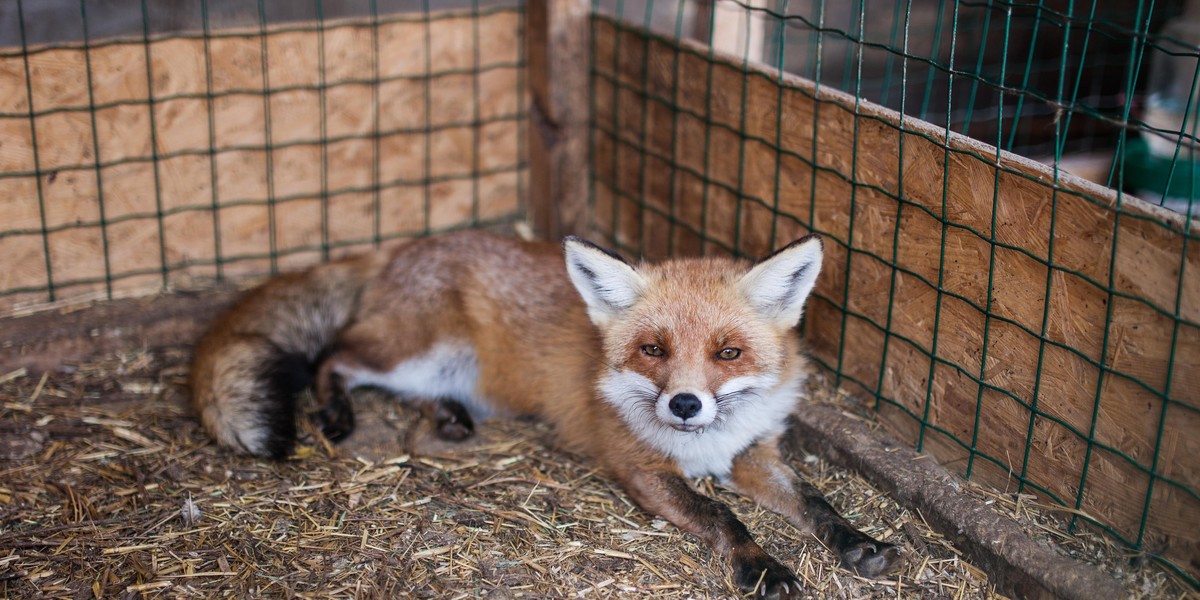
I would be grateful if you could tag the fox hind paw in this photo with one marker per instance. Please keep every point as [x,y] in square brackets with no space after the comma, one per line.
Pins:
[452,421]
[336,417]
[872,559]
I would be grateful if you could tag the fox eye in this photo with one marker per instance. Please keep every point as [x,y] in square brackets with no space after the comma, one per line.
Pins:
[652,350]
[729,353]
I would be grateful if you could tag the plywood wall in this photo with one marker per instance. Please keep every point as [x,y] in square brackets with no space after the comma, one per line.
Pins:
[1012,321]
[127,164]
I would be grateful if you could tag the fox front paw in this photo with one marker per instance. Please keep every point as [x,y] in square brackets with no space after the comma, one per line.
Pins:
[871,558]
[764,577]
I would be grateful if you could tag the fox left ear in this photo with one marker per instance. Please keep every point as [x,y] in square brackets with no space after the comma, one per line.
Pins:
[608,284]
[780,283]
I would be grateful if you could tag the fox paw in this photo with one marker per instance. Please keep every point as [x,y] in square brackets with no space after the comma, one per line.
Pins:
[336,416]
[765,577]
[335,424]
[451,420]
[871,558]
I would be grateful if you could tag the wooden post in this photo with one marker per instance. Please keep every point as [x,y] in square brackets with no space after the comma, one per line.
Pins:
[736,30]
[739,31]
[557,38]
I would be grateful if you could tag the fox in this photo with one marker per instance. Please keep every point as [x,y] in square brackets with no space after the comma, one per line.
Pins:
[659,372]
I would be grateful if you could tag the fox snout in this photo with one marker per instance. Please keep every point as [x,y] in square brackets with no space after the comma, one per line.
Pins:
[686,411]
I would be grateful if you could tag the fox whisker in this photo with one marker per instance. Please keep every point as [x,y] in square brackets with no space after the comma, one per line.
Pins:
[745,394]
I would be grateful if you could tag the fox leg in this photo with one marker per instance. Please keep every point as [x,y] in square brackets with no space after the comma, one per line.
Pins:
[355,360]
[335,417]
[669,495]
[760,473]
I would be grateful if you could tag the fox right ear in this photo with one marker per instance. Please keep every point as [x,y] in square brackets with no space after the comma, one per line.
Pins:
[608,284]
[780,283]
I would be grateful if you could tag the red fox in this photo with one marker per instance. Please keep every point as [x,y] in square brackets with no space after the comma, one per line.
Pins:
[659,372]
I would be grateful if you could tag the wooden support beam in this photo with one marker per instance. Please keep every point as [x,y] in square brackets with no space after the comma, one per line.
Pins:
[557,42]
[47,341]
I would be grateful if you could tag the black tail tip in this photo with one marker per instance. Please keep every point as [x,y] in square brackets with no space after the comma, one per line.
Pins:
[287,376]
[279,444]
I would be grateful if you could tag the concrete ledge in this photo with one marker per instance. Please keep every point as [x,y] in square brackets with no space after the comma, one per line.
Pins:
[1018,565]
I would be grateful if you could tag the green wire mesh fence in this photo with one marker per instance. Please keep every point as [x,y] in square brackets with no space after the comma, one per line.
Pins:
[161,143]
[1034,330]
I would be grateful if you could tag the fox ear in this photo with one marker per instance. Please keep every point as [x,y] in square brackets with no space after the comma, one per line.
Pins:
[780,283]
[608,284]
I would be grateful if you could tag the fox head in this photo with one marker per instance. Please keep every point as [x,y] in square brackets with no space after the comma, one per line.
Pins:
[698,348]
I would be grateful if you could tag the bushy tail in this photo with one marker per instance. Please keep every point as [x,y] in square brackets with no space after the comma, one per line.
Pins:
[258,356]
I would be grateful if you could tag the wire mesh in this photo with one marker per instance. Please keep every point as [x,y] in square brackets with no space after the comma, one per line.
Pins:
[165,143]
[985,303]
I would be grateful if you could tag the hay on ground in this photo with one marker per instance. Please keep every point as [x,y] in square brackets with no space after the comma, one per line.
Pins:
[109,489]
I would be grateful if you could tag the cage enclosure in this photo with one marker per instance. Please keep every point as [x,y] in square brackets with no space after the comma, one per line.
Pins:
[1011,278]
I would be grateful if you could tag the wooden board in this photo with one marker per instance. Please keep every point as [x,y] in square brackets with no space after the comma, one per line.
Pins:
[233,163]
[557,42]
[52,340]
[985,303]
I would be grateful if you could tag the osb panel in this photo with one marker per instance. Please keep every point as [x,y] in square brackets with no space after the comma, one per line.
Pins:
[1180,439]
[182,167]
[905,375]
[823,322]
[868,277]
[1185,382]
[659,180]
[955,410]
[1019,309]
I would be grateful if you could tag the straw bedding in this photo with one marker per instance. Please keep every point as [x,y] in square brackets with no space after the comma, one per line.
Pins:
[109,489]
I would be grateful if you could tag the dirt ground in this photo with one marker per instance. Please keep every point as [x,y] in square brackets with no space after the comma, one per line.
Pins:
[109,489]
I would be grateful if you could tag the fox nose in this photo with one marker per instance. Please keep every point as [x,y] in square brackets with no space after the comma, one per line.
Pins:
[684,405]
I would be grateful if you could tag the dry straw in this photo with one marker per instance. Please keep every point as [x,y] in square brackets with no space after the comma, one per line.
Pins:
[108,489]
